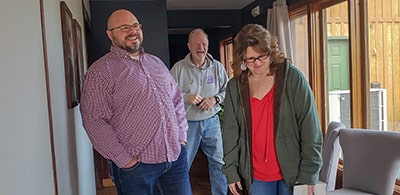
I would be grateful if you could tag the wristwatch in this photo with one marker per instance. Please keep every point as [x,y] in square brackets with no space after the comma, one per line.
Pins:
[217,100]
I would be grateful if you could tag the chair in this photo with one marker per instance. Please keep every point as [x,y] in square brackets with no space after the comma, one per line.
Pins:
[330,155]
[371,161]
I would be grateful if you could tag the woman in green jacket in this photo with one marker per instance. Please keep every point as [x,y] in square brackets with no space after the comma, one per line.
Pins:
[271,132]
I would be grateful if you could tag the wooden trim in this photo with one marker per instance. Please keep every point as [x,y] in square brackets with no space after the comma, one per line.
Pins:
[329,3]
[222,52]
[317,67]
[358,77]
[48,95]
[297,9]
[226,57]
[108,183]
[339,175]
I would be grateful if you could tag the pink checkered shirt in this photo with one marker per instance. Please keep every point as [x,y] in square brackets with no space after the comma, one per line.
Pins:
[133,108]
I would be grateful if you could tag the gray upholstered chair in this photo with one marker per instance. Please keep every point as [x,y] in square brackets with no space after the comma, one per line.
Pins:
[330,155]
[371,161]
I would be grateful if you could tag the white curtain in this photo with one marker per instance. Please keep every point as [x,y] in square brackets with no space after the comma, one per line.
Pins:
[278,24]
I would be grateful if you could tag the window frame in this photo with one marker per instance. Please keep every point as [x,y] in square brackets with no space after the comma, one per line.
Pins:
[358,47]
[359,64]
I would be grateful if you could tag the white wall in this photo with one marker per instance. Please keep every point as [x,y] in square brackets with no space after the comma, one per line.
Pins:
[26,166]
[26,159]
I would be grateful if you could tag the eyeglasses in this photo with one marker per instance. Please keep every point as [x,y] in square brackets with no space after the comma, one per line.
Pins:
[259,58]
[127,27]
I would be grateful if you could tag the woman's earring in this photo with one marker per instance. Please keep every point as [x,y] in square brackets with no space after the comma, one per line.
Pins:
[243,67]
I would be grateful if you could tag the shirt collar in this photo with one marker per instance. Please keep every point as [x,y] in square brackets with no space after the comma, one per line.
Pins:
[122,53]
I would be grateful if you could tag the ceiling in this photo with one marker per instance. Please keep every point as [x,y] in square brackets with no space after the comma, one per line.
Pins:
[206,4]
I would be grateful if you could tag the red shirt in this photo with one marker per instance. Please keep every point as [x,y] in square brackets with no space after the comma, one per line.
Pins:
[265,161]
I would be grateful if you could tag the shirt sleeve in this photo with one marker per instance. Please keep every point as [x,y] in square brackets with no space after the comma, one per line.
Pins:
[230,138]
[96,111]
[179,110]
[175,72]
[223,81]
[309,127]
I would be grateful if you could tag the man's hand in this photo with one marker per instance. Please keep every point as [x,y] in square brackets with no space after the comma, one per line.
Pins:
[207,103]
[131,163]
[194,99]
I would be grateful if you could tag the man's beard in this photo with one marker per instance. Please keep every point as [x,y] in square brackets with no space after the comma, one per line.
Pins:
[133,48]
[124,45]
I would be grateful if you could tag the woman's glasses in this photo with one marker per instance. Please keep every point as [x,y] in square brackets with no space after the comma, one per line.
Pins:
[253,59]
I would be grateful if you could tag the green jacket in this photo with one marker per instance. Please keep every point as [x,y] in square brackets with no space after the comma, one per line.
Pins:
[298,135]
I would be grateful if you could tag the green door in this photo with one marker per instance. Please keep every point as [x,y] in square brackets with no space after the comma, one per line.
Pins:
[338,63]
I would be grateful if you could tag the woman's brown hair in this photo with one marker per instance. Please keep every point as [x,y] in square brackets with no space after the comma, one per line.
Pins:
[261,40]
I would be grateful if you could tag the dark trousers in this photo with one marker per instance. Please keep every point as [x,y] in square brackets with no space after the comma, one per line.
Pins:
[153,179]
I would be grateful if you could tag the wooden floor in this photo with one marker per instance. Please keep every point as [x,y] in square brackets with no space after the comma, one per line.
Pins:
[198,176]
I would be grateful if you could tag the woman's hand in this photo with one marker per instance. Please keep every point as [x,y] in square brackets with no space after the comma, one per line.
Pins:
[233,187]
[310,189]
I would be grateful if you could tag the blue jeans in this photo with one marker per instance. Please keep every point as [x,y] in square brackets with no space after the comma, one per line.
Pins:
[206,134]
[158,179]
[270,188]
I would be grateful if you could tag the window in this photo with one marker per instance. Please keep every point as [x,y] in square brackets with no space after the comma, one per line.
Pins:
[354,57]
[298,27]
[383,30]
[226,55]
[383,54]
[336,58]
[373,71]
